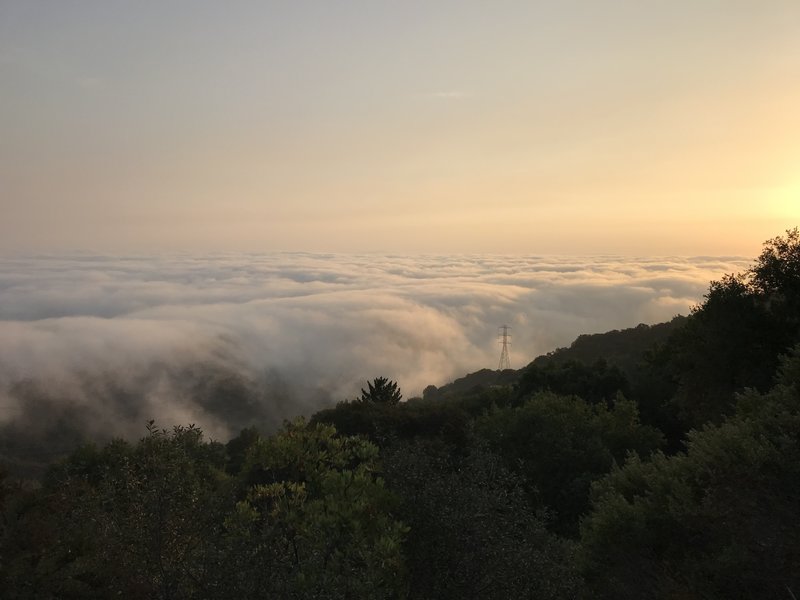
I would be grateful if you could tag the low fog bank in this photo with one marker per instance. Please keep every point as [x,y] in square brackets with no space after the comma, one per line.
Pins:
[93,347]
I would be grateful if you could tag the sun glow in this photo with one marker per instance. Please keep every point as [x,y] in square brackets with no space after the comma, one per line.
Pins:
[785,201]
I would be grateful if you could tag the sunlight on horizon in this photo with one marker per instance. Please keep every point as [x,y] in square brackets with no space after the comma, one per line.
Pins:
[667,128]
[785,203]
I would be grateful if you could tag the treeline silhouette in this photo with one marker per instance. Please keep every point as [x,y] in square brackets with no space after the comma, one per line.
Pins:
[657,462]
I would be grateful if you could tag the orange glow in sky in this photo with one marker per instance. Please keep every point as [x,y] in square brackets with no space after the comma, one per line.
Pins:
[416,127]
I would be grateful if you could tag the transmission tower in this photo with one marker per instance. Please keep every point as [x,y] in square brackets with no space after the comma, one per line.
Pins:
[505,361]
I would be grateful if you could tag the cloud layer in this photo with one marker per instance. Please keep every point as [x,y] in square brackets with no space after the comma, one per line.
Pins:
[100,344]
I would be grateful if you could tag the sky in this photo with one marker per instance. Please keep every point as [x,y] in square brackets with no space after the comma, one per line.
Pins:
[575,127]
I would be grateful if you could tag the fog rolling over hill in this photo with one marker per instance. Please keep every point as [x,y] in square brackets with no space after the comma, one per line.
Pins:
[94,346]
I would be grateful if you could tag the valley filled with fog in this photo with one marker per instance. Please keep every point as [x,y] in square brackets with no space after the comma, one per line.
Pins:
[96,346]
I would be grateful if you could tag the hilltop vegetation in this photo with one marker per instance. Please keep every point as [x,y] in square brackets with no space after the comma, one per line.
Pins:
[657,462]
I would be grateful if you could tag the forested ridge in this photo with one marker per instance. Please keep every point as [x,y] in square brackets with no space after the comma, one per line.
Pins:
[657,462]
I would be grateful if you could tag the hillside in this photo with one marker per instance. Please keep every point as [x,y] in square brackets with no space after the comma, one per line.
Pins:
[624,349]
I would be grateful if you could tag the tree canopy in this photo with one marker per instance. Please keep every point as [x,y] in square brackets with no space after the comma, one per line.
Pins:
[381,391]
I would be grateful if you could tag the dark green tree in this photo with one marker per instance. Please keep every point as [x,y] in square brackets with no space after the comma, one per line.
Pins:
[316,521]
[473,533]
[381,391]
[733,339]
[599,382]
[776,278]
[558,445]
[140,521]
[777,269]
[719,521]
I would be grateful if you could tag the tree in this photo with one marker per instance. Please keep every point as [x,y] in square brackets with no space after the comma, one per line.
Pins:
[316,521]
[382,391]
[160,520]
[472,531]
[134,521]
[560,444]
[733,339]
[776,278]
[718,521]
[599,382]
[777,269]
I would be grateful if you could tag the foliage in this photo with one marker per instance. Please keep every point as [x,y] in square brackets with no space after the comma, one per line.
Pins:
[381,391]
[720,521]
[472,384]
[472,532]
[160,520]
[594,383]
[624,349]
[317,523]
[733,339]
[776,274]
[559,445]
[382,423]
[730,342]
[133,521]
[238,448]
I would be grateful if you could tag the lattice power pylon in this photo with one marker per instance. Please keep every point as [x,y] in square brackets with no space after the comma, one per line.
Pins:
[505,337]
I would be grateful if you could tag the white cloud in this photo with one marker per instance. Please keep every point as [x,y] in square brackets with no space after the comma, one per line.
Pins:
[121,340]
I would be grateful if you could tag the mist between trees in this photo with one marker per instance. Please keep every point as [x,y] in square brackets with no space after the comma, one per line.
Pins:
[652,462]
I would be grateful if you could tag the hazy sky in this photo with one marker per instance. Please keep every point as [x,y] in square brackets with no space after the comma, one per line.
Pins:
[638,127]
